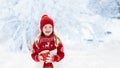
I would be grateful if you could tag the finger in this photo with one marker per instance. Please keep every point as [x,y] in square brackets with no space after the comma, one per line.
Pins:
[48,61]
[40,57]
[49,55]
[48,58]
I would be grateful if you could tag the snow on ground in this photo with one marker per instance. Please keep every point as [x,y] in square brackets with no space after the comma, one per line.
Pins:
[103,57]
[15,60]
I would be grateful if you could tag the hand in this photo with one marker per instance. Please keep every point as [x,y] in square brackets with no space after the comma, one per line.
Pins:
[49,59]
[40,57]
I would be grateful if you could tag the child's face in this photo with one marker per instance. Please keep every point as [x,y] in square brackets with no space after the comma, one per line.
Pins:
[47,29]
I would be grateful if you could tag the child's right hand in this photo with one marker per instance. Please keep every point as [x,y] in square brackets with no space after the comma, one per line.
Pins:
[40,57]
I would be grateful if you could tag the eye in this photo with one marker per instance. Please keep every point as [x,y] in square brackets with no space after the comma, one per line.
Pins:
[45,27]
[50,27]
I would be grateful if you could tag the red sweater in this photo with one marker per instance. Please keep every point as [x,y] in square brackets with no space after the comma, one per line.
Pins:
[48,43]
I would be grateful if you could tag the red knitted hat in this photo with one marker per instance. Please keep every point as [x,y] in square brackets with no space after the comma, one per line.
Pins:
[46,20]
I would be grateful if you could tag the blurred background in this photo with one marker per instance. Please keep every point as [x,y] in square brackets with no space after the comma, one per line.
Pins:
[80,24]
[89,30]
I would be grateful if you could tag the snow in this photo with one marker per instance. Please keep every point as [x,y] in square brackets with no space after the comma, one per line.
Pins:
[91,36]
[103,57]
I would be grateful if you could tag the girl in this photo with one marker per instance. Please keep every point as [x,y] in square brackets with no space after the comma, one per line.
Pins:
[47,48]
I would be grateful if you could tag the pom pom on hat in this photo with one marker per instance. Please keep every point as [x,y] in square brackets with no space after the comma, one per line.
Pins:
[45,15]
[45,19]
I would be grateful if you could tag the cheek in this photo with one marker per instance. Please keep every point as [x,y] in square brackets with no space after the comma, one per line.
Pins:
[44,30]
[52,29]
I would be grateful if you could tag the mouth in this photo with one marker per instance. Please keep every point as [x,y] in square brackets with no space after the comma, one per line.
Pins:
[47,31]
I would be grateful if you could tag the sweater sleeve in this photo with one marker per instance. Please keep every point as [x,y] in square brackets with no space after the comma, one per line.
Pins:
[34,53]
[60,53]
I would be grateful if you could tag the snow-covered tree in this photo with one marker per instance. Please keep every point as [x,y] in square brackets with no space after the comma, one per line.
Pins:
[106,8]
[75,24]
